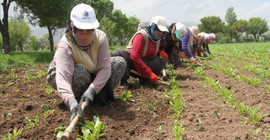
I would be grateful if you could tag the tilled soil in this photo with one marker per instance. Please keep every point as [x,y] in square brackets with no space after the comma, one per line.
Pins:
[206,116]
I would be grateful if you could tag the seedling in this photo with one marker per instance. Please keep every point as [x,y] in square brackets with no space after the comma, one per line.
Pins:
[199,72]
[59,131]
[178,130]
[48,91]
[254,118]
[32,122]
[241,107]
[48,112]
[92,130]
[15,134]
[126,96]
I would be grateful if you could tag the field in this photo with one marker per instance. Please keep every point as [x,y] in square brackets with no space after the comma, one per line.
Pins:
[227,98]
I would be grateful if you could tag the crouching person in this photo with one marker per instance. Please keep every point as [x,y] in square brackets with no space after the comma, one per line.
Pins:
[143,52]
[82,69]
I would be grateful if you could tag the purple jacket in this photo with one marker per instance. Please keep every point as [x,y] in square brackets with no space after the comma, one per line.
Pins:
[185,41]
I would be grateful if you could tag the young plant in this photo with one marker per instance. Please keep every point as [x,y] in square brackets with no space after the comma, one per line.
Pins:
[15,134]
[254,118]
[58,132]
[92,130]
[48,112]
[178,130]
[199,72]
[32,122]
[241,107]
[48,91]
[126,96]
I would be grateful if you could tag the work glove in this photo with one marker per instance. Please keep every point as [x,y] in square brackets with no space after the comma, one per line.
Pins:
[209,52]
[193,60]
[153,77]
[164,54]
[88,96]
[75,108]
[182,55]
[204,54]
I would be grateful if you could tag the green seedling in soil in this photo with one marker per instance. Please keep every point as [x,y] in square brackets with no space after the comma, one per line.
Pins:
[58,132]
[254,118]
[256,133]
[12,136]
[42,73]
[178,130]
[126,96]
[218,110]
[92,130]
[48,112]
[199,72]
[32,122]
[48,91]
[241,107]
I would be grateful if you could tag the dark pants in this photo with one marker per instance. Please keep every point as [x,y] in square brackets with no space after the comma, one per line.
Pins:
[156,64]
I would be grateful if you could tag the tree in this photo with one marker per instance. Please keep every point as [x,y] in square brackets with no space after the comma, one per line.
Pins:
[51,14]
[121,27]
[108,26]
[240,26]
[211,24]
[132,26]
[257,27]
[230,16]
[34,43]
[1,43]
[4,26]
[44,42]
[19,32]
[102,8]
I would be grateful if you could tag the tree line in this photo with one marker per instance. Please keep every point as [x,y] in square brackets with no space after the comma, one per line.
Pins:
[53,15]
[234,29]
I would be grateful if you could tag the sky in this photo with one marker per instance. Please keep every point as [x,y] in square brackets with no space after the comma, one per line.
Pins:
[188,12]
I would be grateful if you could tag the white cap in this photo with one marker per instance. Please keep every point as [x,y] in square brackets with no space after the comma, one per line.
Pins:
[83,17]
[180,28]
[161,23]
[194,30]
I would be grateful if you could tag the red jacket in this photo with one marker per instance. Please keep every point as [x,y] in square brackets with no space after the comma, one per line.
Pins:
[137,52]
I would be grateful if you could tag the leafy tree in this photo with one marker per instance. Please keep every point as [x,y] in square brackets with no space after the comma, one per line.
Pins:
[257,27]
[102,8]
[1,43]
[132,26]
[19,33]
[230,16]
[34,43]
[51,14]
[44,42]
[240,26]
[4,25]
[108,26]
[211,24]
[121,27]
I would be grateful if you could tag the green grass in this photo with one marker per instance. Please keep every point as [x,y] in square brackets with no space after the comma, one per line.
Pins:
[18,59]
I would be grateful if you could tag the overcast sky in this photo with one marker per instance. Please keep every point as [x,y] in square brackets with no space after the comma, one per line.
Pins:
[191,11]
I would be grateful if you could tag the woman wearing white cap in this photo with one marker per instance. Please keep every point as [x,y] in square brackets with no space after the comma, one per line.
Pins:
[208,38]
[82,69]
[187,43]
[171,43]
[143,51]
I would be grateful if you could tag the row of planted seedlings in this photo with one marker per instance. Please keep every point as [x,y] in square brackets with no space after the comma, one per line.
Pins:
[176,101]
[250,113]
[93,129]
